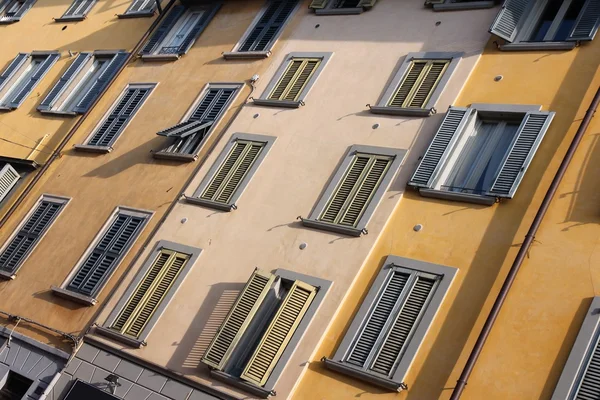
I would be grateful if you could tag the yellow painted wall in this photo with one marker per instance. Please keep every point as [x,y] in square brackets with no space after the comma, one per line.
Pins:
[530,343]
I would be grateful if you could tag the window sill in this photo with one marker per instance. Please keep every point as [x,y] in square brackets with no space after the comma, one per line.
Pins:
[9,20]
[60,113]
[454,196]
[107,332]
[70,19]
[93,149]
[246,55]
[76,297]
[136,15]
[474,5]
[277,103]
[7,275]
[210,204]
[3,108]
[177,157]
[363,376]
[531,46]
[160,57]
[345,230]
[407,112]
[240,384]
[339,11]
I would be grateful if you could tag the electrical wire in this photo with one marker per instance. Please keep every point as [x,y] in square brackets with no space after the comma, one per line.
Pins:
[27,147]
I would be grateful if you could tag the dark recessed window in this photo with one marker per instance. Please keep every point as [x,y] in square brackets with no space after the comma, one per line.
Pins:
[15,388]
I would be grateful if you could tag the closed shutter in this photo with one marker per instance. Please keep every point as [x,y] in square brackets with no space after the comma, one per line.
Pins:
[114,124]
[63,82]
[442,143]
[279,333]
[79,8]
[419,83]
[586,24]
[103,259]
[528,138]
[213,104]
[117,61]
[237,320]
[589,386]
[268,26]
[366,3]
[41,71]
[141,7]
[8,178]
[508,19]
[232,172]
[355,190]
[12,68]
[318,4]
[150,293]
[29,235]
[163,29]
[295,79]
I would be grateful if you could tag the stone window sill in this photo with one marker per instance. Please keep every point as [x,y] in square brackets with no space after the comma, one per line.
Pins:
[176,157]
[120,338]
[246,55]
[160,57]
[532,46]
[455,196]
[339,11]
[407,112]
[136,15]
[240,384]
[278,103]
[210,204]
[76,297]
[363,376]
[93,149]
[344,230]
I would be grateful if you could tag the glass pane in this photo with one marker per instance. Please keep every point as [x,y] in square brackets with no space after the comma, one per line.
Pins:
[569,20]
[546,20]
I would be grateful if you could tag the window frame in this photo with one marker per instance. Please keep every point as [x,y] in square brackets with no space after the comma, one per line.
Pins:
[398,78]
[396,382]
[264,100]
[76,17]
[106,330]
[312,221]
[138,14]
[25,7]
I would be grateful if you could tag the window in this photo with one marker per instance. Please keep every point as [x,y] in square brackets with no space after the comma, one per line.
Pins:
[355,190]
[77,11]
[418,84]
[177,32]
[451,5]
[8,179]
[546,24]
[259,39]
[263,328]
[579,378]
[16,250]
[150,292]
[117,119]
[82,390]
[139,8]
[232,171]
[13,10]
[102,258]
[331,7]
[83,82]
[294,79]
[481,153]
[15,387]
[388,329]
[187,138]
[22,76]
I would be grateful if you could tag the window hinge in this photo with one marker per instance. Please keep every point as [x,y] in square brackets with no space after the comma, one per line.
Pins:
[299,218]
[233,207]
[402,386]
[432,111]
[368,106]
[302,103]
[364,231]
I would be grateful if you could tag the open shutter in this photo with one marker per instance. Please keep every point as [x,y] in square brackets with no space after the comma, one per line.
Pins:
[366,3]
[22,10]
[63,82]
[41,71]
[196,31]
[268,26]
[294,79]
[318,4]
[101,83]
[528,138]
[237,320]
[586,24]
[442,142]
[279,333]
[212,106]
[12,68]
[8,178]
[79,8]
[141,7]
[507,21]
[163,29]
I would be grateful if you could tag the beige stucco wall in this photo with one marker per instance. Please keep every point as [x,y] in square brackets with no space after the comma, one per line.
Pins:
[311,141]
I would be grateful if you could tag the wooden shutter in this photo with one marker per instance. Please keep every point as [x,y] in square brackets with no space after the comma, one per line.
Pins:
[528,138]
[589,387]
[120,115]
[103,258]
[41,71]
[279,333]
[29,235]
[294,79]
[163,29]
[318,4]
[232,172]
[12,68]
[442,143]
[21,11]
[268,26]
[141,7]
[63,82]
[237,319]
[8,178]
[150,293]
[508,19]
[586,24]
[366,3]
[196,30]
[213,104]
[79,8]
[418,85]
[116,62]
[355,190]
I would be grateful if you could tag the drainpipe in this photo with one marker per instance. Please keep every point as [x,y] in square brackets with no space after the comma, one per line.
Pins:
[514,269]
[80,121]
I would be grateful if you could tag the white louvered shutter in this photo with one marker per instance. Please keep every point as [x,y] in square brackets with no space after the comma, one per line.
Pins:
[8,179]
[35,78]
[587,23]
[508,19]
[268,26]
[63,82]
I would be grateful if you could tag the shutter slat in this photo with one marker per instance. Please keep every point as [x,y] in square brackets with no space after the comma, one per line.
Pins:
[297,86]
[428,84]
[141,7]
[12,68]
[41,71]
[414,72]
[64,80]
[587,22]
[79,8]
[8,179]
[268,26]
[163,29]
[285,80]
[508,19]
[589,386]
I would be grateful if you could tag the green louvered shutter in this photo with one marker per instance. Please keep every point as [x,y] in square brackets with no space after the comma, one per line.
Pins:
[268,26]
[279,333]
[35,78]
[12,68]
[295,79]
[8,179]
[150,293]
[419,83]
[587,22]
[318,4]
[237,320]
[508,19]
[63,82]
[163,29]
[232,171]
[355,190]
